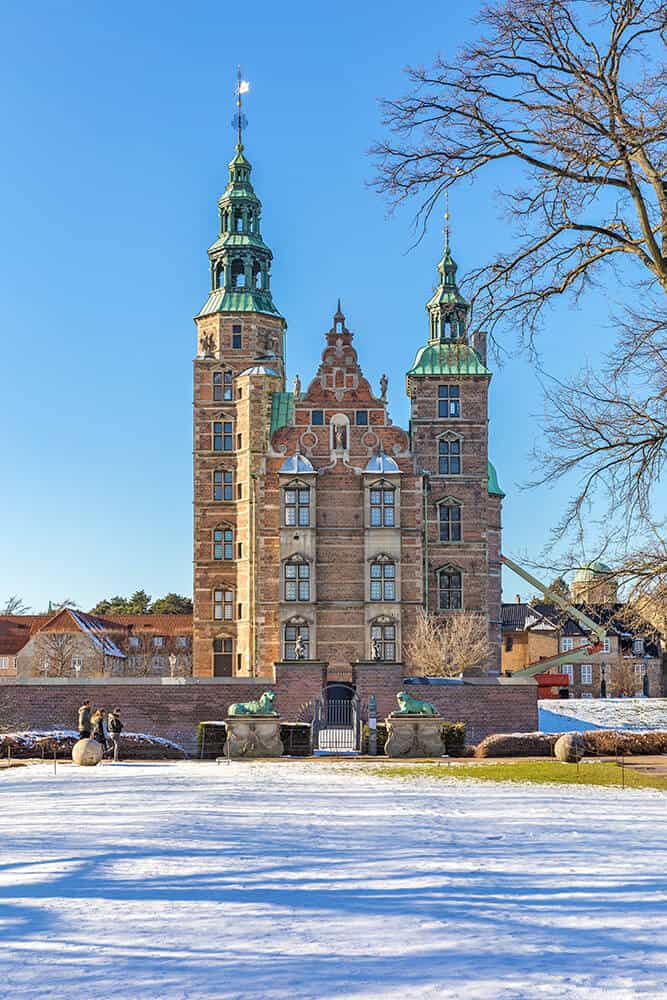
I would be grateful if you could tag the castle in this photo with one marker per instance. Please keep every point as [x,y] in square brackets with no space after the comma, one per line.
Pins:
[321,528]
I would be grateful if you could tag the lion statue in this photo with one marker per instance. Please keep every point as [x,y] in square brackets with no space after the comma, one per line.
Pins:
[263,706]
[407,705]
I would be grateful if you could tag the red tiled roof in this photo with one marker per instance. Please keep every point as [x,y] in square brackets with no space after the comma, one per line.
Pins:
[13,637]
[156,624]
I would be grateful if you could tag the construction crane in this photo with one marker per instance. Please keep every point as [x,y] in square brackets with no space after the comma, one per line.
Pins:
[574,655]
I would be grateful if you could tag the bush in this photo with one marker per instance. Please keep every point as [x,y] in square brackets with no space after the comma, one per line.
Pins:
[296,739]
[454,738]
[611,743]
[211,736]
[517,745]
[133,746]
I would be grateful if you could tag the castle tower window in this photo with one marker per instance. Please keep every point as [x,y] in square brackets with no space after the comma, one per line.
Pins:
[449,457]
[223,484]
[449,401]
[223,651]
[223,435]
[222,386]
[449,520]
[237,341]
[297,579]
[450,589]
[383,641]
[296,629]
[383,507]
[223,605]
[383,580]
[238,274]
[223,543]
[297,506]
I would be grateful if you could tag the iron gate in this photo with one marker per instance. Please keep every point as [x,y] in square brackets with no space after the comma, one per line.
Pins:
[337,725]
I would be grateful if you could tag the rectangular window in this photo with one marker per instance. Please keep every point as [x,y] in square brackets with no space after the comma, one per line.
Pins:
[383,642]
[292,632]
[317,418]
[4,663]
[382,508]
[566,644]
[223,543]
[450,522]
[77,663]
[606,645]
[568,669]
[223,484]
[236,336]
[450,590]
[222,657]
[297,581]
[297,506]
[182,641]
[222,386]
[638,647]
[223,435]
[586,673]
[383,581]
[134,642]
[239,441]
[158,641]
[449,457]
[361,418]
[449,401]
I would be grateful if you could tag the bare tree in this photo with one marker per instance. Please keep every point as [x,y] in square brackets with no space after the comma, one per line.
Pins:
[54,651]
[445,649]
[623,681]
[14,605]
[563,90]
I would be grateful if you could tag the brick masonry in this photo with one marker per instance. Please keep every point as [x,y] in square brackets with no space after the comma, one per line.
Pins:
[172,709]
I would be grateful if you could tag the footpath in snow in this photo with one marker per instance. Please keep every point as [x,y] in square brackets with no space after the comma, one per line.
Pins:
[186,881]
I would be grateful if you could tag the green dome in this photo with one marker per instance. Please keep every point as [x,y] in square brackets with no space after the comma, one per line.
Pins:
[494,485]
[588,573]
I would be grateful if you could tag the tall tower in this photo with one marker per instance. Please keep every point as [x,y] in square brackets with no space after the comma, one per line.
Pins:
[448,387]
[238,367]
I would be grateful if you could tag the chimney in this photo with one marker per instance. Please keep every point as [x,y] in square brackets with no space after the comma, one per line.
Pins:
[517,599]
[478,341]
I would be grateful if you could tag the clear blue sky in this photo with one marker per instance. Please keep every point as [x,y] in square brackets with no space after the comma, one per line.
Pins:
[116,134]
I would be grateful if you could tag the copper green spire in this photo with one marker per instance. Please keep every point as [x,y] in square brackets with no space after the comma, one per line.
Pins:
[240,260]
[447,309]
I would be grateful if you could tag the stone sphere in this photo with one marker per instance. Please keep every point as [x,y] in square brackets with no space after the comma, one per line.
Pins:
[87,753]
[570,748]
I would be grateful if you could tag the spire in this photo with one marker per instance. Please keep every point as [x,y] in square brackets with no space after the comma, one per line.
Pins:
[240,260]
[447,308]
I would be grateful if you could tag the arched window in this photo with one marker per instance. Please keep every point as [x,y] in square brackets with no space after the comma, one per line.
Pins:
[383,506]
[449,456]
[223,484]
[383,579]
[222,386]
[449,521]
[223,543]
[238,274]
[383,640]
[239,222]
[450,589]
[223,435]
[296,501]
[223,604]
[296,578]
[297,639]
[223,657]
[339,428]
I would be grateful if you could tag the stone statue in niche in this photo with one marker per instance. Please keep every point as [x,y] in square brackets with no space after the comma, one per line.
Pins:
[299,648]
[376,650]
[296,387]
[384,383]
[207,344]
[339,436]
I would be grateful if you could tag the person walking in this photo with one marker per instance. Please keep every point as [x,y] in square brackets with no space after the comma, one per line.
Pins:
[98,728]
[84,721]
[115,728]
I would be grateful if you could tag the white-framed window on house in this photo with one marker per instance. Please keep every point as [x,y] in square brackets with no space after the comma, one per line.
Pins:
[77,664]
[449,401]
[383,579]
[4,663]
[450,589]
[566,644]
[449,456]
[638,647]
[449,521]
[606,645]
[296,634]
[568,668]
[134,642]
[586,673]
[296,504]
[296,572]
[383,506]
[223,604]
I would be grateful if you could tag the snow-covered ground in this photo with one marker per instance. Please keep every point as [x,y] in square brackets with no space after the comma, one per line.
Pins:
[635,714]
[319,880]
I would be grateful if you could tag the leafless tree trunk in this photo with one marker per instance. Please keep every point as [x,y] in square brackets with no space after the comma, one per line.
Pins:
[56,649]
[440,648]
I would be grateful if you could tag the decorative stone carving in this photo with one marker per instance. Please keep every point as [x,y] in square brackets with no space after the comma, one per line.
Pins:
[262,706]
[207,344]
[376,650]
[414,736]
[569,748]
[87,753]
[407,705]
[296,387]
[384,383]
[253,736]
[299,648]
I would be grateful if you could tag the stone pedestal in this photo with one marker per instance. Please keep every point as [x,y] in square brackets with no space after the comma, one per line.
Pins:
[414,736]
[87,753]
[251,736]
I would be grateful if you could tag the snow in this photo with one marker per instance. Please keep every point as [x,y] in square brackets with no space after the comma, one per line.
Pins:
[314,879]
[635,714]
[28,737]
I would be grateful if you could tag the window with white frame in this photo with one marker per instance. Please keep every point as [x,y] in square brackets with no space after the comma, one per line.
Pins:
[639,669]
[383,506]
[296,502]
[223,604]
[383,579]
[566,644]
[568,668]
[77,664]
[4,663]
[606,645]
[638,647]
[297,579]
[586,673]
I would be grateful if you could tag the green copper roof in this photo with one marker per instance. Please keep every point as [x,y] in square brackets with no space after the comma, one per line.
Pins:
[282,410]
[446,358]
[494,487]
[246,301]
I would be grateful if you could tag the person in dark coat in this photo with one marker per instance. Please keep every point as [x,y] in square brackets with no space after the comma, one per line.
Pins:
[84,721]
[98,728]
[115,728]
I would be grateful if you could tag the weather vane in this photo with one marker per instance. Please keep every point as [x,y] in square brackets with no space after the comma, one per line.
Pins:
[239,121]
[446,220]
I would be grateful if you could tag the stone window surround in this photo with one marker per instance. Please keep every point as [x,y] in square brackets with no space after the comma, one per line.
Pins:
[288,617]
[387,481]
[298,559]
[449,568]
[288,483]
[382,620]
[385,557]
[450,436]
[449,501]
